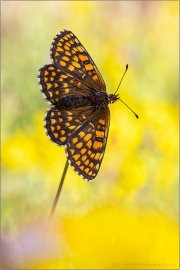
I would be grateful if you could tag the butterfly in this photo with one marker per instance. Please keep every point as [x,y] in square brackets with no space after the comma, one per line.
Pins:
[79,116]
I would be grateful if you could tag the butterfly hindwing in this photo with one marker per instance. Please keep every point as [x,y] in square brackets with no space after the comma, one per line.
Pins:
[86,145]
[59,125]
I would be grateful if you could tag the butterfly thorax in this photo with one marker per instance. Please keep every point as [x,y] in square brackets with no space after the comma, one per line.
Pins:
[75,101]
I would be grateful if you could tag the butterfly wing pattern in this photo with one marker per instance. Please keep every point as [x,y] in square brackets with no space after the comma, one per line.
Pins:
[79,117]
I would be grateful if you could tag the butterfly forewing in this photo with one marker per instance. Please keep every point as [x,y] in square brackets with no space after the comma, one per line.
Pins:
[68,53]
[55,84]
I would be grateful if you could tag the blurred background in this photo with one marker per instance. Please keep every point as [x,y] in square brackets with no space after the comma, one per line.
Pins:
[127,218]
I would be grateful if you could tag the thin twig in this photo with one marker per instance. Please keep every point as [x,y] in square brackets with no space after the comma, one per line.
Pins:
[59,190]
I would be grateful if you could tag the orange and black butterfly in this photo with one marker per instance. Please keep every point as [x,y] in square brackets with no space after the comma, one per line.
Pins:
[79,117]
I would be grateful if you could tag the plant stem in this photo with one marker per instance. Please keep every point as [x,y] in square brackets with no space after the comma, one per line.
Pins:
[59,190]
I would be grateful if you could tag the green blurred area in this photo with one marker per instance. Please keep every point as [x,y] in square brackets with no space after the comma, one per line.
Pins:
[127,218]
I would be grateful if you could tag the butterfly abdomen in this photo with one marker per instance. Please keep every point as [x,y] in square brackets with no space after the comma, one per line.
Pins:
[72,101]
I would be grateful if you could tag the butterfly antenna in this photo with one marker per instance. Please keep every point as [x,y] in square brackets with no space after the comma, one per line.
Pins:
[129,108]
[122,78]
[120,98]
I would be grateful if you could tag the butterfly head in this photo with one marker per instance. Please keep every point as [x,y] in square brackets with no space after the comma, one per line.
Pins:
[112,98]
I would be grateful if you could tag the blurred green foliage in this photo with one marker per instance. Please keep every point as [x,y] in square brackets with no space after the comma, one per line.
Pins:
[128,217]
